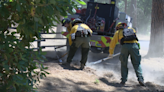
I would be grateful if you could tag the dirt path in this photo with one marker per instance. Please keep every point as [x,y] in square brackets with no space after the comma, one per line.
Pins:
[102,77]
[65,79]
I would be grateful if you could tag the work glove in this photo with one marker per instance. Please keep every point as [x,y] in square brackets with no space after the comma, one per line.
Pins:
[73,36]
[110,55]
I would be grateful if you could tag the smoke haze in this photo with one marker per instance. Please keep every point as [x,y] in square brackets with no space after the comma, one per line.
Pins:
[153,68]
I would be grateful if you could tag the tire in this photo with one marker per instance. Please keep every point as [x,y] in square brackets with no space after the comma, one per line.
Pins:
[106,50]
[95,50]
[116,50]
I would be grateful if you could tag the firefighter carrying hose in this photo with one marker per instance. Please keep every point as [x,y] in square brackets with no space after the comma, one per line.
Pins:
[130,46]
[80,36]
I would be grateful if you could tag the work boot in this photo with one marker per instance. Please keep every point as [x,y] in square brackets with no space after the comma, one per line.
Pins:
[122,83]
[66,64]
[82,66]
[141,83]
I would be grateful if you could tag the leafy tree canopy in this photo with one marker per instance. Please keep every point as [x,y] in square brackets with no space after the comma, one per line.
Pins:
[18,70]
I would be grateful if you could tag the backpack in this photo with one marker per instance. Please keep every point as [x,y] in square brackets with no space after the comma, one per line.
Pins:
[128,35]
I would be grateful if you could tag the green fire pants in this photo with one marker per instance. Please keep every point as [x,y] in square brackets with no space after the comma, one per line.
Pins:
[131,49]
[84,43]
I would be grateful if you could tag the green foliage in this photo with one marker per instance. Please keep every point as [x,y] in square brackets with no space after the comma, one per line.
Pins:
[144,15]
[143,12]
[19,71]
[97,81]
[81,2]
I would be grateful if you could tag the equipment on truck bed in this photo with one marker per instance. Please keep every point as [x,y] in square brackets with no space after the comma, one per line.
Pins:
[102,19]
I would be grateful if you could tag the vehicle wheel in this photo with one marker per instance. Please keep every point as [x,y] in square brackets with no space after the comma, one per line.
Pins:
[116,50]
[96,50]
[106,50]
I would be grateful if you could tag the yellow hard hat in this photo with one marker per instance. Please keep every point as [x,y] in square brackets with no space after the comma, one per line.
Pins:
[65,20]
[119,24]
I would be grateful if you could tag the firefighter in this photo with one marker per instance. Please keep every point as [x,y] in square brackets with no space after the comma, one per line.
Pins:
[80,36]
[66,22]
[130,46]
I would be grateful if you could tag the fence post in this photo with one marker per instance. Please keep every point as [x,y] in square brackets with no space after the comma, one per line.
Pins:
[39,44]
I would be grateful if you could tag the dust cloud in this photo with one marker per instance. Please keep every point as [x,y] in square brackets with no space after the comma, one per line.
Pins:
[152,68]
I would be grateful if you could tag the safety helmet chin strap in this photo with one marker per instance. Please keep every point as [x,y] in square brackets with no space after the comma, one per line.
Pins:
[125,25]
[121,25]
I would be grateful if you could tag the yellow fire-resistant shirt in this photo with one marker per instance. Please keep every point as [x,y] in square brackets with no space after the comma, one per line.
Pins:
[117,37]
[74,29]
[69,30]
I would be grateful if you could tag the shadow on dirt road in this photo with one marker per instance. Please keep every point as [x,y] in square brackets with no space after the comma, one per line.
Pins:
[66,79]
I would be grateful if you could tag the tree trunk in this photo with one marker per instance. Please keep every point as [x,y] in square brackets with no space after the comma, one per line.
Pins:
[109,1]
[125,6]
[131,8]
[157,29]
[135,13]
[59,29]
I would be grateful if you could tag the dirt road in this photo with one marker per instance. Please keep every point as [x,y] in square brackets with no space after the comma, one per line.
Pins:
[102,77]
[65,79]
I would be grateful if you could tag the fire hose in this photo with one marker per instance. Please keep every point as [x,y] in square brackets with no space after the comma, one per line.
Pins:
[104,59]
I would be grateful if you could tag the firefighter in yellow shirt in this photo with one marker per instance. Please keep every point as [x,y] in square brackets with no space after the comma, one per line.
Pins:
[129,42]
[66,22]
[80,36]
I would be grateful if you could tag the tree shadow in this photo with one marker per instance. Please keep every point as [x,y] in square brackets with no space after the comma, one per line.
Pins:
[69,67]
[65,85]
[52,84]
[62,85]
[134,88]
[112,83]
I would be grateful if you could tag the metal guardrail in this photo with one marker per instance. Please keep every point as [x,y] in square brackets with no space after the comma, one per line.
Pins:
[54,38]
[52,33]
[56,46]
[39,47]
[12,28]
